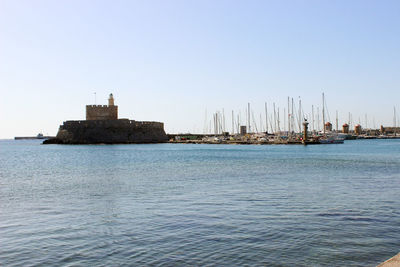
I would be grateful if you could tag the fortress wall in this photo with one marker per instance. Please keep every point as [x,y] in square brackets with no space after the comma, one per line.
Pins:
[112,123]
[111,132]
[148,123]
[101,112]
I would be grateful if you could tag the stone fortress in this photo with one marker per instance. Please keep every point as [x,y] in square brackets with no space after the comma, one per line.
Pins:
[102,126]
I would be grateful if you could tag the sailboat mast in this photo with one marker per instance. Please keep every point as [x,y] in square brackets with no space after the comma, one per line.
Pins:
[323,112]
[248,116]
[292,116]
[238,124]
[274,119]
[215,128]
[239,120]
[300,119]
[247,120]
[205,123]
[233,123]
[223,121]
[288,108]
[284,119]
[337,121]
[312,114]
[349,120]
[266,118]
[394,120]
[279,127]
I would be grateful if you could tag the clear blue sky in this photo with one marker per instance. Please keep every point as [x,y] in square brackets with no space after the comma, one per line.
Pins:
[169,61]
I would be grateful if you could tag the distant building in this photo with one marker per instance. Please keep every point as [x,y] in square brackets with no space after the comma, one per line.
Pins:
[390,130]
[102,112]
[357,129]
[345,128]
[328,127]
[243,130]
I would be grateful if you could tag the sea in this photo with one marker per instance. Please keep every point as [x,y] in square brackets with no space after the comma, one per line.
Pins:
[199,205]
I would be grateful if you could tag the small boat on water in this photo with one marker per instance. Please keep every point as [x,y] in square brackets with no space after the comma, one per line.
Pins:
[38,136]
[331,139]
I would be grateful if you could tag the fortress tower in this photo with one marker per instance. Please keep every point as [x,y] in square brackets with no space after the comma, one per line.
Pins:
[102,112]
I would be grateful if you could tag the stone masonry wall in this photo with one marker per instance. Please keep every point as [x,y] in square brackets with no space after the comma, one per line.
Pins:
[101,112]
[122,131]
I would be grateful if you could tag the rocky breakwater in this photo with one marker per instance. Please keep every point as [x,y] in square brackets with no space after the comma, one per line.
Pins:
[120,131]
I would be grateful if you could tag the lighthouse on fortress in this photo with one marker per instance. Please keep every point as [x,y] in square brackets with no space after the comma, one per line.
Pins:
[102,112]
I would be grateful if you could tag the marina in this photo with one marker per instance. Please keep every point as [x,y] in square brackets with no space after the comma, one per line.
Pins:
[103,126]
[294,131]
[265,139]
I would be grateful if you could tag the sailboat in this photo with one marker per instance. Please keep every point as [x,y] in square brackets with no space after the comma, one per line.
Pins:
[328,136]
[331,138]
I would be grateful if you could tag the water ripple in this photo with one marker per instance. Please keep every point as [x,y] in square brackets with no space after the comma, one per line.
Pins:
[184,205]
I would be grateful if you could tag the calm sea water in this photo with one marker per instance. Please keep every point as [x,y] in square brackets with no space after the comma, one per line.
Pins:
[199,205]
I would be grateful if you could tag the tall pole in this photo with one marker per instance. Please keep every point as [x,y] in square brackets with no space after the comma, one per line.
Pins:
[300,118]
[248,116]
[274,119]
[292,118]
[337,121]
[223,121]
[238,124]
[312,112]
[215,128]
[95,100]
[266,118]
[349,121]
[279,127]
[233,123]
[284,119]
[217,121]
[394,120]
[239,120]
[288,108]
[323,112]
[217,116]
[247,121]
[205,122]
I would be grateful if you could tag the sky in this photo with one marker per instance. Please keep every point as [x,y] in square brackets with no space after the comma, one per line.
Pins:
[175,61]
